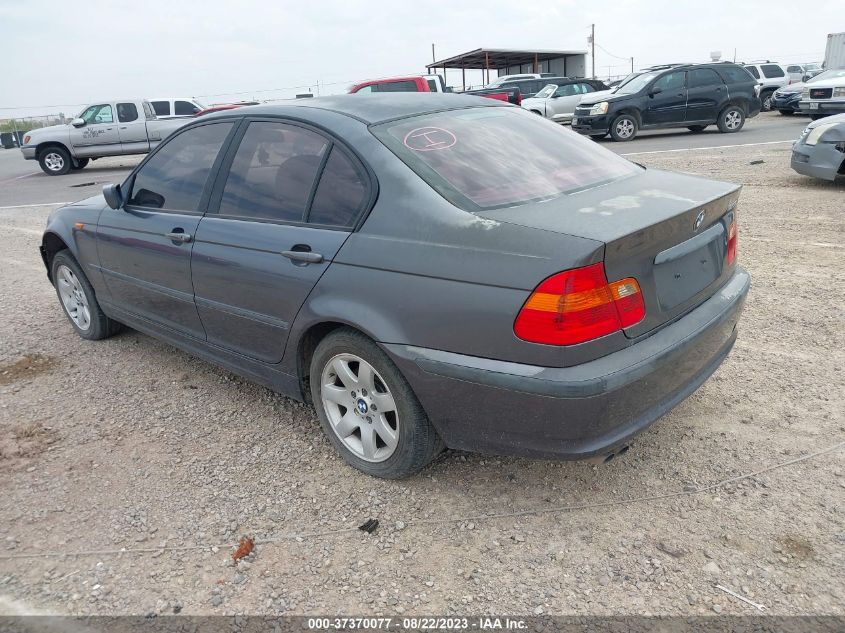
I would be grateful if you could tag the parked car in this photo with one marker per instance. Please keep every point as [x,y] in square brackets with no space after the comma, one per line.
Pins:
[499,81]
[427,271]
[173,107]
[820,151]
[419,83]
[557,101]
[770,76]
[785,100]
[692,96]
[508,94]
[113,128]
[824,95]
[803,72]
[530,87]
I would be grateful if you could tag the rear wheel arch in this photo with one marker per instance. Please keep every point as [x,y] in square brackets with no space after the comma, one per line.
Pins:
[307,344]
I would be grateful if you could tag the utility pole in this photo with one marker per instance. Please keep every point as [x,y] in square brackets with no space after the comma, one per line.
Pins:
[632,65]
[593,45]
[432,53]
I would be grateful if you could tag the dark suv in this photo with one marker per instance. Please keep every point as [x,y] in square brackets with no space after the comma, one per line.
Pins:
[690,95]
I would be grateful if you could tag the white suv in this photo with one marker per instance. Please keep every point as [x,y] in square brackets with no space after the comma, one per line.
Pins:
[770,76]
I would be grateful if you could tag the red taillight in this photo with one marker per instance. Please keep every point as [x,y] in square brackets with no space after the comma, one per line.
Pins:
[579,305]
[733,235]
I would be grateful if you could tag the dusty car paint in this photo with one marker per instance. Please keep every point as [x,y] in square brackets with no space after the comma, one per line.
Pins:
[825,158]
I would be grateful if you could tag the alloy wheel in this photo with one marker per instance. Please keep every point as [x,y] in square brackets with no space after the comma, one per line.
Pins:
[360,408]
[54,161]
[732,119]
[624,128]
[73,297]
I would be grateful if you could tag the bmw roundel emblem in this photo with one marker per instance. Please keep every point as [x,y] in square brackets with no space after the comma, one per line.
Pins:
[699,220]
[362,407]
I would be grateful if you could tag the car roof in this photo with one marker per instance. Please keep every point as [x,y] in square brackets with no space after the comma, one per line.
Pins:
[371,108]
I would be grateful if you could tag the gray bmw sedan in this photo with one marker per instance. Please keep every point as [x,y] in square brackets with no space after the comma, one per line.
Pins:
[427,270]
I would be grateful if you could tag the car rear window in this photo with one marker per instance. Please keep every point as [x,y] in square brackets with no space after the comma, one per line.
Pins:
[493,157]
[772,70]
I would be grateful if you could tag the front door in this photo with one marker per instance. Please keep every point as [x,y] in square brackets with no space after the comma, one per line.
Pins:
[145,247]
[132,128]
[705,91]
[564,100]
[666,100]
[99,135]
[278,225]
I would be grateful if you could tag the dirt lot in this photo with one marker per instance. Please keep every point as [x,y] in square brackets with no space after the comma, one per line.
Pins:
[130,444]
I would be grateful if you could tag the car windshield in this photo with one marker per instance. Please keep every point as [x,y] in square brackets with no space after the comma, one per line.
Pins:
[812,67]
[546,92]
[635,83]
[493,157]
[836,73]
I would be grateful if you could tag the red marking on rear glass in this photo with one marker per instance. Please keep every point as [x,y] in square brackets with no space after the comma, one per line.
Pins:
[427,139]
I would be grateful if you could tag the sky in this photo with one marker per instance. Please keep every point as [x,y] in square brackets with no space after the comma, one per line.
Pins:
[60,56]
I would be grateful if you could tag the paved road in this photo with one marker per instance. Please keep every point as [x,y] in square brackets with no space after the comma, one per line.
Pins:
[23,183]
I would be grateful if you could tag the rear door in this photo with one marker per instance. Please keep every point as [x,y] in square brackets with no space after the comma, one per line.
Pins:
[99,135]
[705,92]
[132,128]
[666,100]
[285,202]
[145,247]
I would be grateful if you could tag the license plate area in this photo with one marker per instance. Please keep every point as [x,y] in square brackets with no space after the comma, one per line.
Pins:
[814,106]
[683,271]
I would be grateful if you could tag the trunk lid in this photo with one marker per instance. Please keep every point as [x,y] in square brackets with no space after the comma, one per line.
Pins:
[667,230]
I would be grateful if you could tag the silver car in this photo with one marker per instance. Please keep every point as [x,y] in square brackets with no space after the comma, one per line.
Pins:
[820,151]
[557,101]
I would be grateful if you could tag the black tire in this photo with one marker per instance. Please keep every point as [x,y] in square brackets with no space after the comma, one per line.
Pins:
[418,442]
[55,161]
[598,137]
[100,325]
[786,112]
[621,124]
[696,128]
[731,119]
[80,164]
[766,100]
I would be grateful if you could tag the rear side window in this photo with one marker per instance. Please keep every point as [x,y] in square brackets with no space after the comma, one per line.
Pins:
[700,77]
[341,193]
[754,72]
[737,74]
[273,172]
[175,176]
[772,70]
[162,108]
[492,157]
[183,108]
[127,112]
[398,86]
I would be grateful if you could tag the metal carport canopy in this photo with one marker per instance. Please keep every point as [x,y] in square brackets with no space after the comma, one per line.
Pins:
[487,58]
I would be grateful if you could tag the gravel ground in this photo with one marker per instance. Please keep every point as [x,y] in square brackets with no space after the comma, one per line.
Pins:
[130,444]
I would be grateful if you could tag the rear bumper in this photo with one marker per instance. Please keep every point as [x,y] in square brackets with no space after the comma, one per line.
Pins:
[592,125]
[491,406]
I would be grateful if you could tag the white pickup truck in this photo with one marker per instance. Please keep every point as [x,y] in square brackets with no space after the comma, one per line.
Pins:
[115,128]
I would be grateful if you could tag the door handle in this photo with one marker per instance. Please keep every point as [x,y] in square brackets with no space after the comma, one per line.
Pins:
[179,236]
[306,257]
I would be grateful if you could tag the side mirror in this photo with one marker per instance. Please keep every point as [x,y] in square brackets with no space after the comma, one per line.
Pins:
[654,91]
[113,196]
[77,122]
[806,77]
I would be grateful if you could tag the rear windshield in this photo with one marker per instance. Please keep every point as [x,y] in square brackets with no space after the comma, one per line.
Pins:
[487,158]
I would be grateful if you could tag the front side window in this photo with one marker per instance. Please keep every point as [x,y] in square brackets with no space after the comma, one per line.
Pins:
[493,157]
[175,176]
[794,69]
[341,193]
[546,92]
[98,114]
[127,112]
[567,90]
[185,108]
[670,81]
[701,77]
[162,108]
[273,172]
[772,70]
